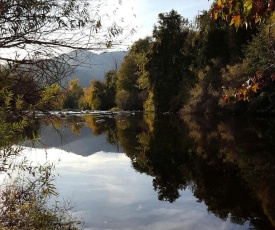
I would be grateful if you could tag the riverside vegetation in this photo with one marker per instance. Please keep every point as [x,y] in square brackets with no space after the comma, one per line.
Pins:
[35,37]
[221,62]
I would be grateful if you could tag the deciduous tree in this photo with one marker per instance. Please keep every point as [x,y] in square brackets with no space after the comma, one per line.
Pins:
[73,94]
[36,34]
[168,66]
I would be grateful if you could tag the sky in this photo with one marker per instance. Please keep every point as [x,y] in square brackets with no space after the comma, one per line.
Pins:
[146,12]
[138,14]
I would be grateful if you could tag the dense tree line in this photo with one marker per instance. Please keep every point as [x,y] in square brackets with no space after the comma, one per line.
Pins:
[193,67]
[221,61]
[197,67]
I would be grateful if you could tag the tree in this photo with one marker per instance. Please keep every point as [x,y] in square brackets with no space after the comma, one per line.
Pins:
[123,100]
[74,93]
[75,88]
[253,76]
[132,83]
[96,95]
[83,102]
[139,51]
[216,39]
[36,34]
[39,27]
[217,45]
[259,54]
[126,81]
[168,64]
[100,95]
[110,88]
[257,68]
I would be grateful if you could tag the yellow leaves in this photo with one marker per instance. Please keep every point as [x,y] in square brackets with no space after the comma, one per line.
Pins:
[236,21]
[214,15]
[248,4]
[254,88]
[221,2]
[216,10]
[224,8]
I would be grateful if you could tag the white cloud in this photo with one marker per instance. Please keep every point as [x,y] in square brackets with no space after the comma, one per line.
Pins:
[111,195]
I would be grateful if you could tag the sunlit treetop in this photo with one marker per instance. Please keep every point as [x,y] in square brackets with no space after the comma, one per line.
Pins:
[242,12]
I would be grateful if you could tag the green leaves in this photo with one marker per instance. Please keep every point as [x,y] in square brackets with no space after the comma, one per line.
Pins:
[168,62]
[49,93]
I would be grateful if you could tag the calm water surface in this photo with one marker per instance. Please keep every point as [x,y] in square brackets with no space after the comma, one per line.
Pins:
[142,171]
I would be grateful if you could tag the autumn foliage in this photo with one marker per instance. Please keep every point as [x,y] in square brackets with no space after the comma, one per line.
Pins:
[228,57]
[250,13]
[248,89]
[242,12]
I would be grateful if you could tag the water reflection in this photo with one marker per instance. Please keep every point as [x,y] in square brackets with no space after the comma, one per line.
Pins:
[25,189]
[110,195]
[243,151]
[81,135]
[228,164]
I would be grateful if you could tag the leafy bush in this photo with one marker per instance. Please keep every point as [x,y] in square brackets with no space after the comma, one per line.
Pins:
[24,203]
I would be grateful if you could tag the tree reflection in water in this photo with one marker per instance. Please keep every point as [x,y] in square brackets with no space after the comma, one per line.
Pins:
[229,164]
[26,188]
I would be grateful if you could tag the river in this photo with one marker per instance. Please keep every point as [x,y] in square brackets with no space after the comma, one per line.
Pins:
[143,171]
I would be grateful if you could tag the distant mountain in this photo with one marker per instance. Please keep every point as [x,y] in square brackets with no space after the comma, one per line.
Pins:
[92,66]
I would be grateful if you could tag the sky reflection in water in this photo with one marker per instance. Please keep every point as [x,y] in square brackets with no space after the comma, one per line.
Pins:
[110,194]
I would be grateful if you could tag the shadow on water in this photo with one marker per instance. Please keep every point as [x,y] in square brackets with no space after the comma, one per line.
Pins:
[228,163]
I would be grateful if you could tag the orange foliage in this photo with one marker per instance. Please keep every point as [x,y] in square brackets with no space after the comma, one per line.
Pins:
[240,12]
[249,88]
